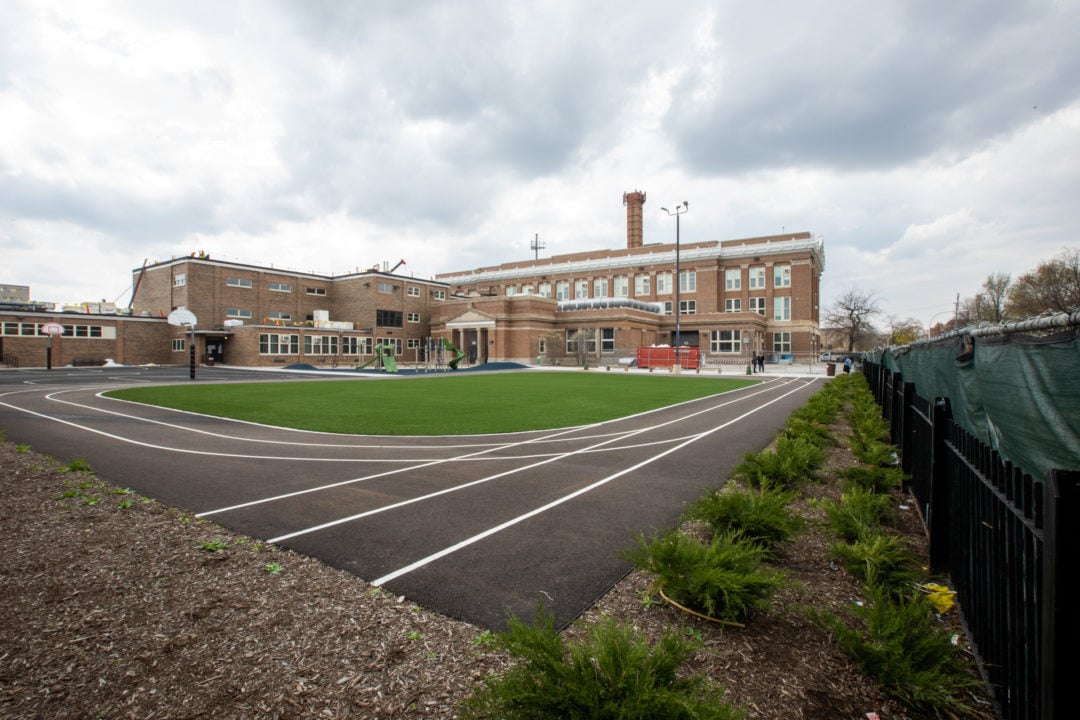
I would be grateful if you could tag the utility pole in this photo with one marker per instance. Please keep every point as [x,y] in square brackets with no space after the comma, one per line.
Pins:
[536,246]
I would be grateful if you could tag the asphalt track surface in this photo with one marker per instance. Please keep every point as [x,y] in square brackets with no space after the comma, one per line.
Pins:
[475,527]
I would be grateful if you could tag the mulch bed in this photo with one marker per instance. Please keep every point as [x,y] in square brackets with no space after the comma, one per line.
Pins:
[115,606]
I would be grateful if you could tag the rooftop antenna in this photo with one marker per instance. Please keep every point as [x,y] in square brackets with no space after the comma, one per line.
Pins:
[536,246]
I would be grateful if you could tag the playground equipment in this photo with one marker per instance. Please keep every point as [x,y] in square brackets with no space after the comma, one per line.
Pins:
[458,354]
[384,355]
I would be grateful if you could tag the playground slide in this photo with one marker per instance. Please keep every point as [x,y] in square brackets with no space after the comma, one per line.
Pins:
[384,356]
[458,354]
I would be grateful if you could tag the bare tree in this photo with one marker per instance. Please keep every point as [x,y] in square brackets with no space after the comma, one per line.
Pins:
[851,313]
[1054,285]
[996,295]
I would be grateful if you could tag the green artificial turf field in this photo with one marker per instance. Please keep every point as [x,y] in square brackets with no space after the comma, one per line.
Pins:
[444,405]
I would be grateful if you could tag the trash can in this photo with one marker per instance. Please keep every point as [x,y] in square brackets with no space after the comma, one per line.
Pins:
[830,369]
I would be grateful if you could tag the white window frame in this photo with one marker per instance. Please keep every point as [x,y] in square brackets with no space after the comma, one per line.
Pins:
[562,290]
[413,317]
[663,283]
[782,342]
[757,277]
[581,289]
[600,287]
[238,283]
[240,313]
[782,307]
[757,304]
[179,280]
[733,305]
[412,291]
[280,287]
[438,294]
[733,279]
[781,276]
[688,307]
[179,345]
[687,281]
[728,342]
[642,285]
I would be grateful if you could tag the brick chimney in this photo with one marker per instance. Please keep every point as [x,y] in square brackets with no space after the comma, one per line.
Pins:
[634,233]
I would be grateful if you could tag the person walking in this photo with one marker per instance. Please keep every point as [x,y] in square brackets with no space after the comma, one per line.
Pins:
[847,365]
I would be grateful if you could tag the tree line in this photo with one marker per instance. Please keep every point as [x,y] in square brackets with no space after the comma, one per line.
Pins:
[1052,287]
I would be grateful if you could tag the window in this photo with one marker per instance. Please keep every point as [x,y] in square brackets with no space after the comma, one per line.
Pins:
[688,307]
[726,341]
[581,289]
[511,290]
[179,280]
[414,343]
[384,287]
[279,316]
[733,279]
[562,290]
[413,317]
[600,288]
[355,346]
[641,286]
[663,283]
[316,291]
[388,318]
[781,276]
[412,291]
[541,348]
[586,336]
[237,313]
[438,294]
[757,278]
[782,308]
[667,307]
[526,289]
[320,344]
[688,281]
[545,290]
[394,343]
[607,339]
[274,344]
[280,287]
[781,342]
[178,345]
[757,304]
[733,305]
[238,282]
[622,286]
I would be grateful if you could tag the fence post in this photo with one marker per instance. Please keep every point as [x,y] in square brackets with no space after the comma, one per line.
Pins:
[938,522]
[1060,627]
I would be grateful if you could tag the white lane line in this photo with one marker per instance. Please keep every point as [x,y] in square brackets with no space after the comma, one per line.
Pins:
[329,486]
[489,478]
[566,498]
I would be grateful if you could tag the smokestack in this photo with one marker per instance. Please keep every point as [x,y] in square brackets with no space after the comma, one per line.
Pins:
[634,232]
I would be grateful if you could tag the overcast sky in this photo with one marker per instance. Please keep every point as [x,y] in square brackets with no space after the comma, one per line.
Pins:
[927,143]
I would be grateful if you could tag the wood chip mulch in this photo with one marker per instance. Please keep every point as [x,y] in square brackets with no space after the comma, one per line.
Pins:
[117,607]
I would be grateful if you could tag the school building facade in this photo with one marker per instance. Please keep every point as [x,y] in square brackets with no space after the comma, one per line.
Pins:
[726,299]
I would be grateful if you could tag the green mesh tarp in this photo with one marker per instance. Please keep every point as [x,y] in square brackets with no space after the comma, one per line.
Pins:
[1019,394]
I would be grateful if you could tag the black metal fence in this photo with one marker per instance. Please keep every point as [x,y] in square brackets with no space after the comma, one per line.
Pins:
[1002,538]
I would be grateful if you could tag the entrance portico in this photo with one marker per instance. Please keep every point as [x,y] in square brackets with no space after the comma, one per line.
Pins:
[472,332]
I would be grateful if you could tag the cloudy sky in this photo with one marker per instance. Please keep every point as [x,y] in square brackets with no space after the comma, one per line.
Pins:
[927,143]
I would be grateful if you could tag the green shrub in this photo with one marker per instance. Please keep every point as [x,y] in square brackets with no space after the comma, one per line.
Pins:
[793,463]
[859,512]
[723,579]
[816,432]
[762,515]
[881,560]
[900,647]
[873,477]
[611,674]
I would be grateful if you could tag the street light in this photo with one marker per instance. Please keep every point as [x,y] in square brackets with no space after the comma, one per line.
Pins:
[679,210]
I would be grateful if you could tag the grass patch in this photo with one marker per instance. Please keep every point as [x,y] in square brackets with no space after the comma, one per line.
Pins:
[446,405]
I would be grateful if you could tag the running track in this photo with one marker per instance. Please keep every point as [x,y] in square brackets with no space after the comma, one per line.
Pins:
[474,527]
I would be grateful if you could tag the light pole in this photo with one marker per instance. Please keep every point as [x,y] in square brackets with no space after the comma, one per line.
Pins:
[679,210]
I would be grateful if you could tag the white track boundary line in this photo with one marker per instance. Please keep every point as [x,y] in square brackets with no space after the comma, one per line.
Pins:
[505,473]
[566,498]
